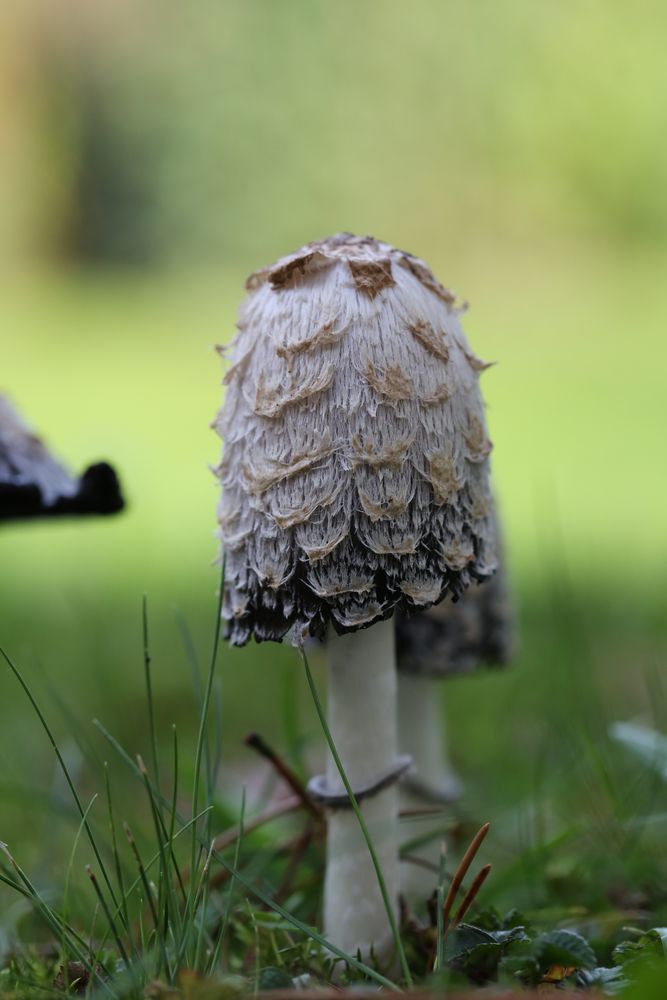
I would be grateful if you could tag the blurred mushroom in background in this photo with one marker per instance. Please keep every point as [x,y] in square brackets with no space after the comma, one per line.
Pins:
[448,640]
[35,484]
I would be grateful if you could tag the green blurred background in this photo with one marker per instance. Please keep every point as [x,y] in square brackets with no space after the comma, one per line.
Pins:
[152,154]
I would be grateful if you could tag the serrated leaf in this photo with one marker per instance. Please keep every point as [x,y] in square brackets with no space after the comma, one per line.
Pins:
[510,934]
[464,939]
[610,981]
[651,945]
[563,947]
[468,936]
[477,952]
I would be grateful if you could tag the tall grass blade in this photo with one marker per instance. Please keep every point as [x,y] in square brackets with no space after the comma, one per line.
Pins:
[107,913]
[230,893]
[64,768]
[439,962]
[149,898]
[68,876]
[122,910]
[253,889]
[149,691]
[167,902]
[59,927]
[201,736]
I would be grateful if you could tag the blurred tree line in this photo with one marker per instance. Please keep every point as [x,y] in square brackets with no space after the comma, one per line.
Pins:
[147,133]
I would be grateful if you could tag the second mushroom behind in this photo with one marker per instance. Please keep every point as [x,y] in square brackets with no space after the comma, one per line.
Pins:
[446,641]
[355,486]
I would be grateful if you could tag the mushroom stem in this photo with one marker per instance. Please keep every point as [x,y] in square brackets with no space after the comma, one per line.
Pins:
[422,734]
[361,709]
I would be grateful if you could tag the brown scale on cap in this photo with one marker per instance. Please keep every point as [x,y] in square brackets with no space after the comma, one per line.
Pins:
[355,468]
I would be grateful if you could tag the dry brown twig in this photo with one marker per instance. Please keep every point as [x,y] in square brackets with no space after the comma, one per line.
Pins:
[258,743]
[461,873]
[469,897]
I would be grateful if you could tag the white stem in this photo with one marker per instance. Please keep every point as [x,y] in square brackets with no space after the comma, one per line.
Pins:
[422,734]
[361,706]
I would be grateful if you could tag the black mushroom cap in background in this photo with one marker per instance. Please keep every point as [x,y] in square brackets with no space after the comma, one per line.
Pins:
[458,638]
[355,471]
[35,484]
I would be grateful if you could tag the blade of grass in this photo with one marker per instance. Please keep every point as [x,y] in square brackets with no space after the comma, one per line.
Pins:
[64,768]
[78,946]
[112,923]
[149,864]
[391,916]
[201,735]
[193,660]
[230,892]
[149,898]
[439,962]
[253,889]
[264,898]
[216,761]
[149,691]
[123,910]
[167,902]
[200,906]
[68,875]
[172,815]
[75,728]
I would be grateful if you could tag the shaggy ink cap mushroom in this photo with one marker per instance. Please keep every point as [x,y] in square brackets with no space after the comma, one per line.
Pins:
[355,465]
[458,638]
[33,483]
[355,486]
[447,640]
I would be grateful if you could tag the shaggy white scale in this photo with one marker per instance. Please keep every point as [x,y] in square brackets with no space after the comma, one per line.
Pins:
[355,466]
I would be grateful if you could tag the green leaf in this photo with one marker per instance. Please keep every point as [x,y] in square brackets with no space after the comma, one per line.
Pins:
[273,978]
[464,939]
[563,947]
[477,952]
[610,981]
[651,946]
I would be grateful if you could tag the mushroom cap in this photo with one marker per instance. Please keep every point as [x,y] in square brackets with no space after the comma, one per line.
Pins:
[355,469]
[457,638]
[33,483]
[25,461]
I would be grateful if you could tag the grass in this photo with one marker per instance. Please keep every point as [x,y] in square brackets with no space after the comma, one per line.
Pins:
[578,819]
[169,906]
[158,924]
[528,173]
